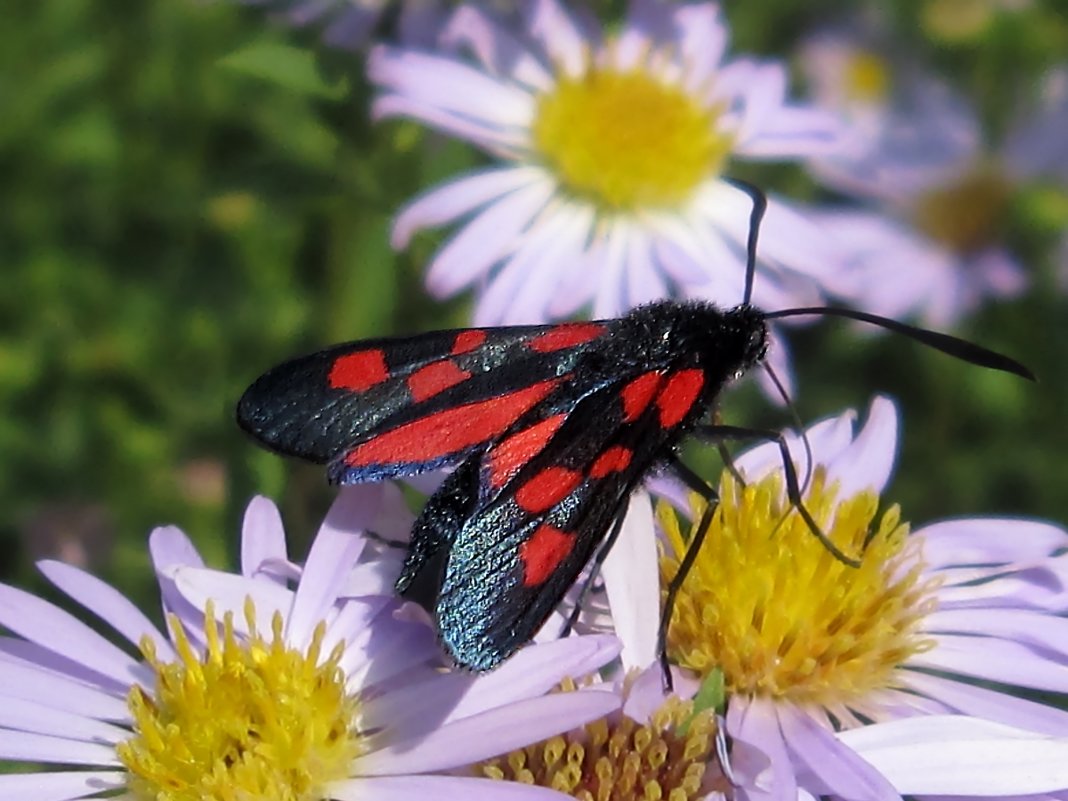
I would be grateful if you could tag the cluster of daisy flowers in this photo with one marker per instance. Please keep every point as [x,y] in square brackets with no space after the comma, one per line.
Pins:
[608,154]
[926,670]
[794,673]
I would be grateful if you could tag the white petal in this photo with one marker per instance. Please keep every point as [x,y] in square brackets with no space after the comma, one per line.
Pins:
[387,651]
[995,660]
[793,132]
[504,142]
[536,669]
[170,546]
[489,734]
[331,558]
[229,593]
[451,86]
[644,282]
[58,692]
[976,701]
[420,788]
[1025,626]
[459,197]
[61,786]
[957,755]
[495,47]
[486,239]
[108,604]
[754,723]
[263,536]
[25,747]
[990,540]
[525,286]
[632,582]
[869,461]
[764,92]
[22,715]
[703,40]
[608,301]
[836,767]
[62,633]
[422,704]
[1042,585]
[550,24]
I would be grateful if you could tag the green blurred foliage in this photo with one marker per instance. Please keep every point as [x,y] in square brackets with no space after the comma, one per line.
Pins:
[191,194]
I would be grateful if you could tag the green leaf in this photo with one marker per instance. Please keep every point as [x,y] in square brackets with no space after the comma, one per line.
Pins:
[289,67]
[712,694]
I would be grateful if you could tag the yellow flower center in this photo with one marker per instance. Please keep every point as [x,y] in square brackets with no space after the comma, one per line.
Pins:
[965,215]
[772,608]
[617,759]
[251,719]
[625,140]
[867,80]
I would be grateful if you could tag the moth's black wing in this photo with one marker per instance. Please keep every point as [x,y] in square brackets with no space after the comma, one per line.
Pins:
[386,407]
[543,516]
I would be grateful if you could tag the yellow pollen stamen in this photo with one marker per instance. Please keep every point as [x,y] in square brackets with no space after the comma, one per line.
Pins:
[769,605]
[867,79]
[625,140]
[618,759]
[252,718]
[965,215]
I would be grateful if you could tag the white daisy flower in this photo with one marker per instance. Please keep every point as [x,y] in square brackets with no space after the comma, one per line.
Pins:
[613,148]
[264,690]
[809,646]
[927,241]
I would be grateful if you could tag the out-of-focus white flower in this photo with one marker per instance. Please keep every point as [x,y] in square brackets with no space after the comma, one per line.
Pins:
[611,190]
[927,241]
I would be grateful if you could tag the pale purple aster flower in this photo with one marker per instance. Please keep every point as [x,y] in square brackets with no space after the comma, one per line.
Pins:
[656,745]
[262,689]
[809,646]
[612,146]
[926,241]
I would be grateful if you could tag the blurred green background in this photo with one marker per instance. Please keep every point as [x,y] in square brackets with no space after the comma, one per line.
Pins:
[190,194]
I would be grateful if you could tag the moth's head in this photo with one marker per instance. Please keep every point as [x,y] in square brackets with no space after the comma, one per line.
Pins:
[746,332]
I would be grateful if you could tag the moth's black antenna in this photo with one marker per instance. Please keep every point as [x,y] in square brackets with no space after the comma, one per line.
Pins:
[756,214]
[786,399]
[958,348]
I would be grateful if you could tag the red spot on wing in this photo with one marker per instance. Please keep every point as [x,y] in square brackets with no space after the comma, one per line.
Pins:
[467,341]
[509,455]
[678,396]
[358,371]
[565,336]
[638,393]
[449,430]
[612,460]
[546,489]
[543,553]
[434,378]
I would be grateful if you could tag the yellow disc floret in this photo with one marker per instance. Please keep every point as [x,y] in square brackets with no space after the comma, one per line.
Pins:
[670,757]
[625,140]
[252,718]
[867,78]
[772,608]
[965,216]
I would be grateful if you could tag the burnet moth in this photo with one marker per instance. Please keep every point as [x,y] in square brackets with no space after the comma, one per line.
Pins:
[549,428]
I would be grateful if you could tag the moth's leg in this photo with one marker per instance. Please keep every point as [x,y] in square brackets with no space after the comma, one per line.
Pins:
[698,485]
[793,487]
[595,569]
